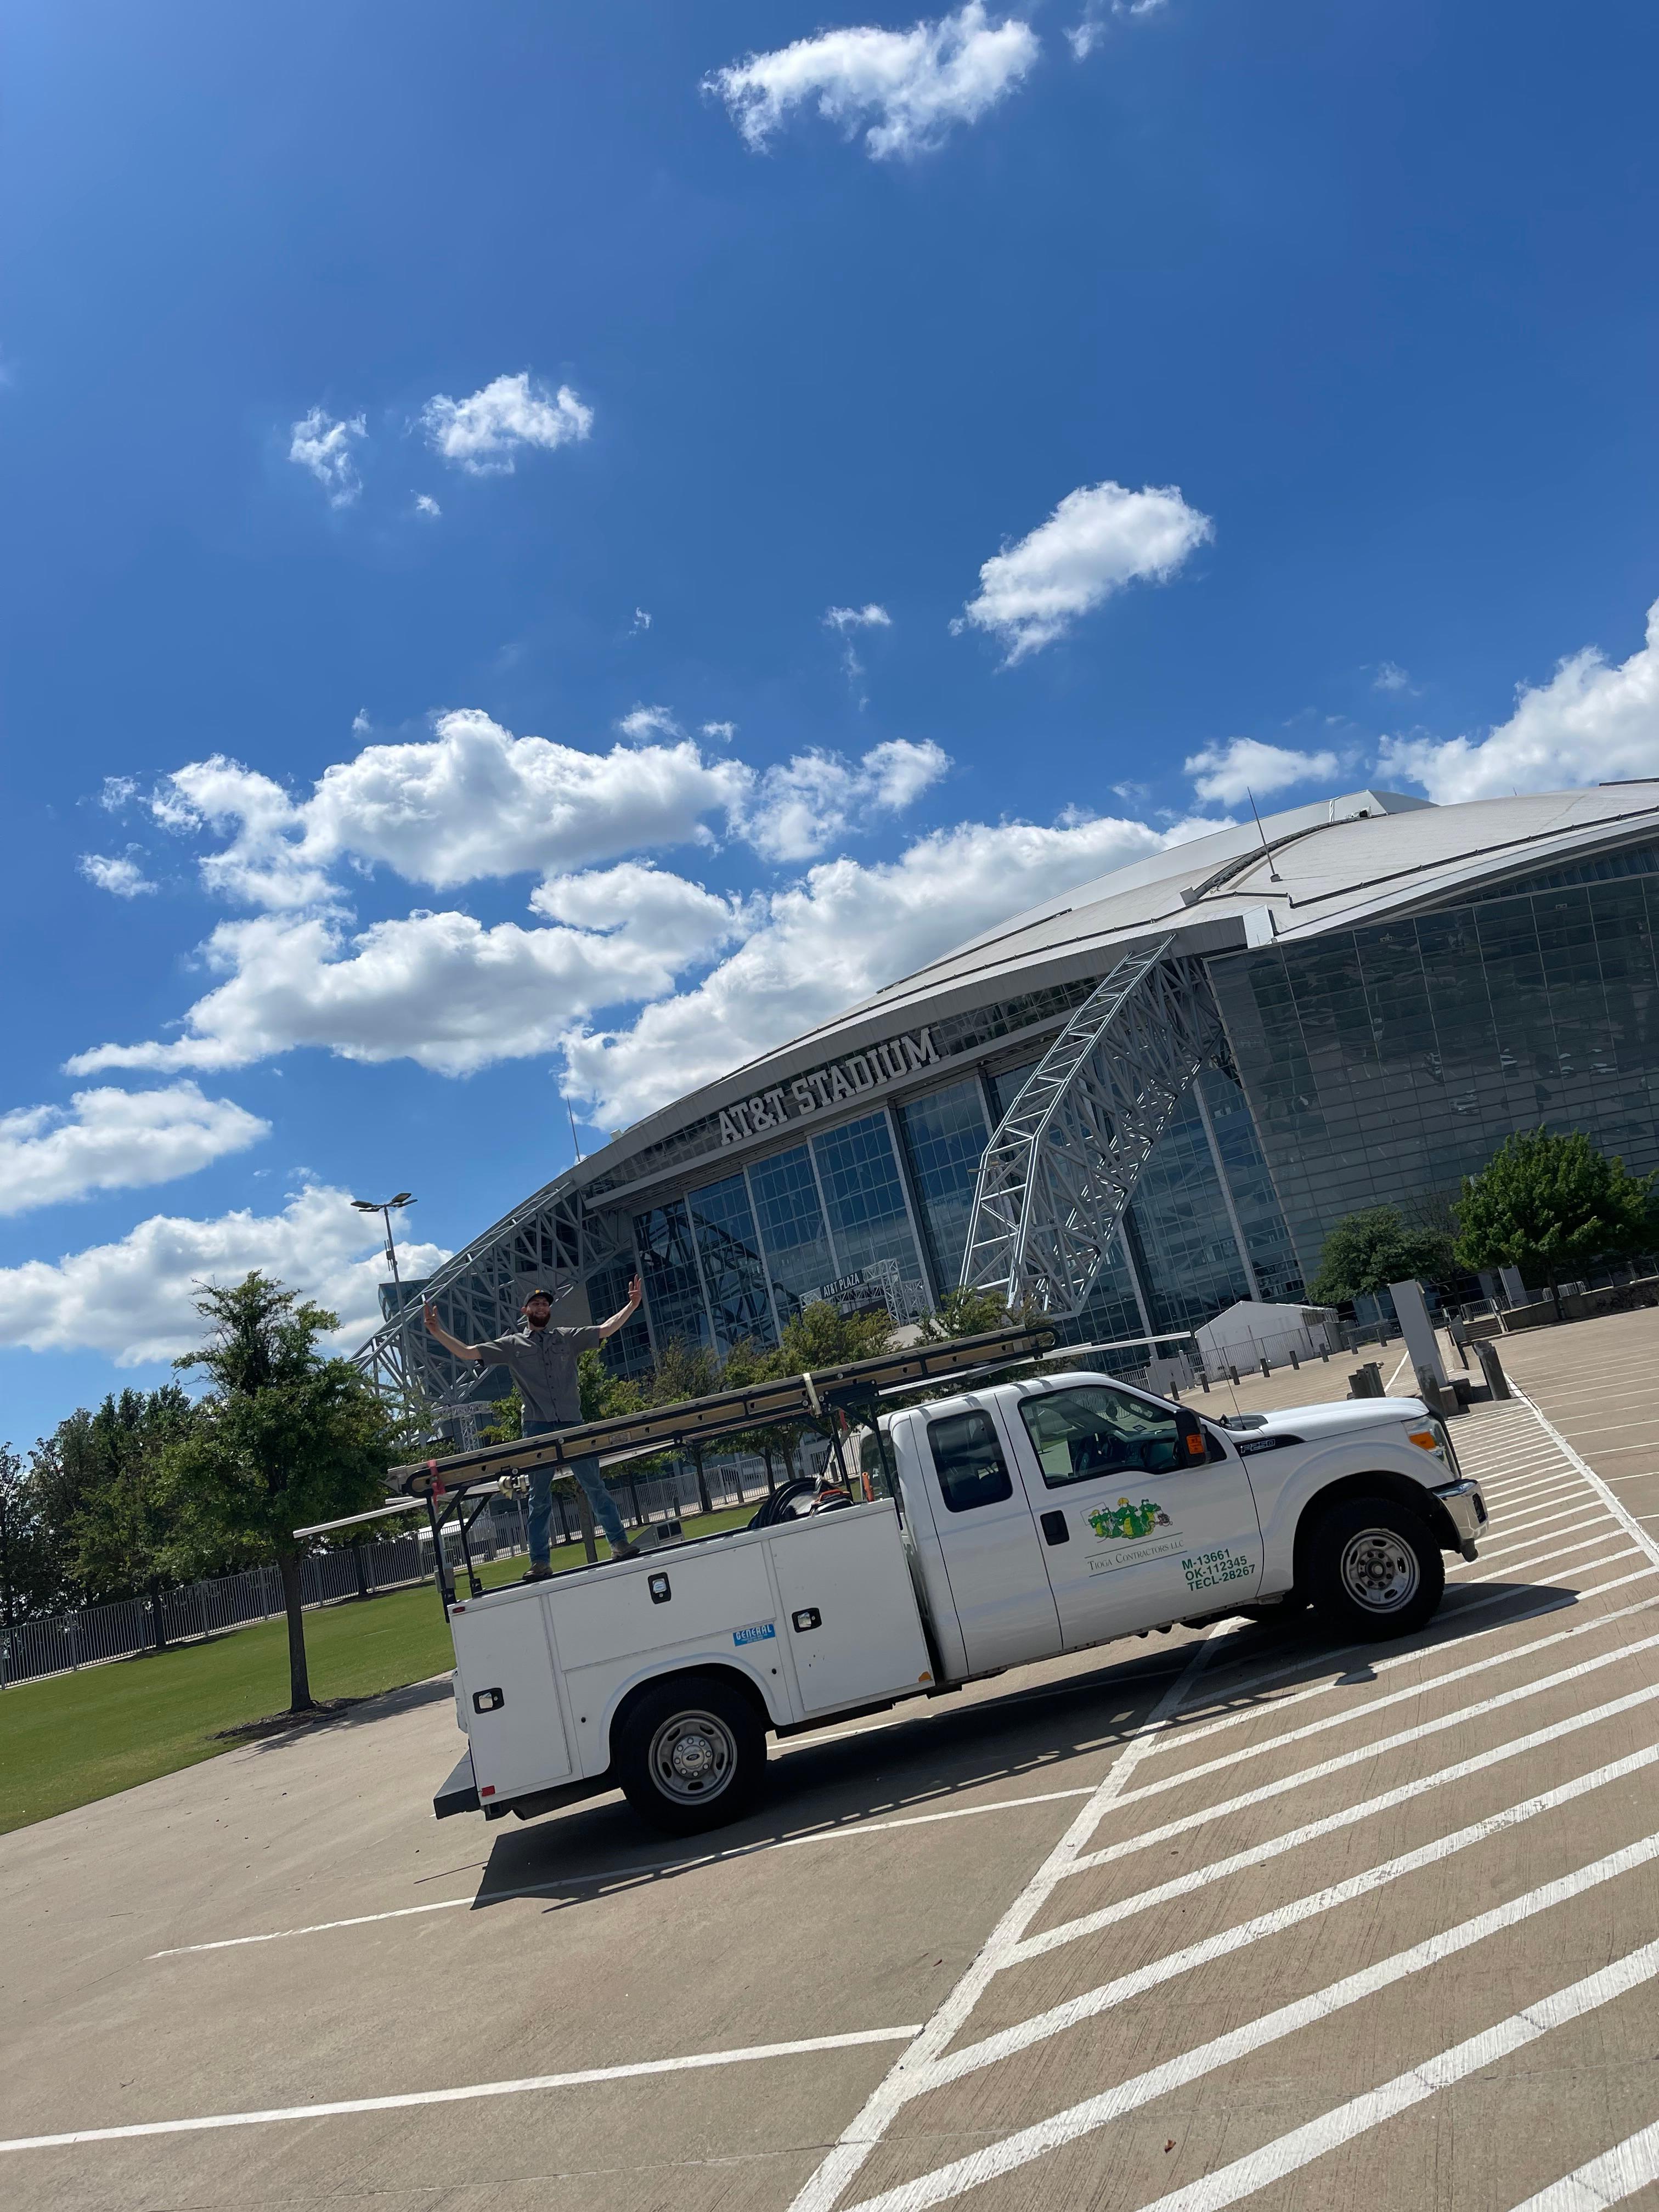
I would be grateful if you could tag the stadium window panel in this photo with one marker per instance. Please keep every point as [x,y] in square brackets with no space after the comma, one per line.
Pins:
[733,1272]
[791,1222]
[668,1268]
[866,1199]
[629,1351]
[944,1138]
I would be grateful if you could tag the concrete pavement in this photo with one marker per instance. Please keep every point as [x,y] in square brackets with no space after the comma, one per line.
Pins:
[1216,1917]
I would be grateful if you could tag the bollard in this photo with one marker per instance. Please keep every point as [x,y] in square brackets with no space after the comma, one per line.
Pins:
[1493,1368]
[1204,1380]
[1265,1369]
[1232,1376]
[1295,1362]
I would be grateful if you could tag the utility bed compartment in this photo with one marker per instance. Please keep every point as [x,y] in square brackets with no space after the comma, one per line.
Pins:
[818,1614]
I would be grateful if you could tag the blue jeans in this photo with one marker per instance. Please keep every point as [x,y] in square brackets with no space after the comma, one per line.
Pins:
[586,1472]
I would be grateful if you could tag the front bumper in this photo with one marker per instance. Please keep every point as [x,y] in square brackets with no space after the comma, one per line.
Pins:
[1466,1509]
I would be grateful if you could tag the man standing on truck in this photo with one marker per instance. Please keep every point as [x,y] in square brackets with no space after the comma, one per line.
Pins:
[542,1361]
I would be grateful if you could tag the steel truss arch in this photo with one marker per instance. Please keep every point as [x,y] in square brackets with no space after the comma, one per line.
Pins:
[551,1238]
[1062,1164]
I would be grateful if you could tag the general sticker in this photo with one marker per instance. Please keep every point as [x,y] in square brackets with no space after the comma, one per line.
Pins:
[759,1631]
[1210,1570]
[1124,1522]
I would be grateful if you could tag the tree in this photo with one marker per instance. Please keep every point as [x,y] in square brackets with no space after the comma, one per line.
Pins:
[1365,1252]
[1551,1205]
[126,1525]
[285,1436]
[968,1313]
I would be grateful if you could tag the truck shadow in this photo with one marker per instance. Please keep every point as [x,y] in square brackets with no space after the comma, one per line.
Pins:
[915,1762]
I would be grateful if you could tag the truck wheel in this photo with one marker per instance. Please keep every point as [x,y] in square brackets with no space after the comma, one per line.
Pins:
[692,1755]
[1373,1569]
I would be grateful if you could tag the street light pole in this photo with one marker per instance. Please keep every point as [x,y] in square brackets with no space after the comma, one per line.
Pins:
[385,1208]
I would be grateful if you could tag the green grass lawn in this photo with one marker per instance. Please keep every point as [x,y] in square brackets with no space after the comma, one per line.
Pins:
[75,1737]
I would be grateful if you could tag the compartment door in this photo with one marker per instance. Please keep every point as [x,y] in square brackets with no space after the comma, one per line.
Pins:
[848,1607]
[502,1653]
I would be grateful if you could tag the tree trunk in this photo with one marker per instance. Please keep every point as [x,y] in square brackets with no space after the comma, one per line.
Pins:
[357,1562]
[771,1480]
[702,1486]
[299,1678]
[158,1627]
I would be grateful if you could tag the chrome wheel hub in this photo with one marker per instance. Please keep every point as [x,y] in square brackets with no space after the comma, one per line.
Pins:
[1380,1571]
[692,1756]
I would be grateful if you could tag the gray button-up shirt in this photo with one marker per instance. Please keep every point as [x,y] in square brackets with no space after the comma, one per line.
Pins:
[543,1362]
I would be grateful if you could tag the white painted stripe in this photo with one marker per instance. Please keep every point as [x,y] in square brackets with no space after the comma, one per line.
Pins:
[1204,1728]
[1560,1477]
[1529,1690]
[1583,1515]
[1620,1513]
[1229,2183]
[1405,1793]
[476,1902]
[1544,1559]
[1617,2174]
[1110,1853]
[534,2081]
[1309,1907]
[1096,2112]
[861,2137]
[1577,1511]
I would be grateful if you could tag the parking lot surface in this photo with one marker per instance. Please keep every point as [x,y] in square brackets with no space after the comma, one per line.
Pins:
[1226,1917]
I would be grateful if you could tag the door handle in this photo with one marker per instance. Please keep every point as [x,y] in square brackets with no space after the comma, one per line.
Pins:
[1054,1528]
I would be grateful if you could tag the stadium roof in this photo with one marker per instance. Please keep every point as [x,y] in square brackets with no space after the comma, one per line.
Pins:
[1336,864]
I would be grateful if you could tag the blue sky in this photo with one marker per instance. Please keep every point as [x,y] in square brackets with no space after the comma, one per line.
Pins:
[1167,398]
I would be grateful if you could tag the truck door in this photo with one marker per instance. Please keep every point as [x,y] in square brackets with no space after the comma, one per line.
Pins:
[993,1559]
[1133,1533]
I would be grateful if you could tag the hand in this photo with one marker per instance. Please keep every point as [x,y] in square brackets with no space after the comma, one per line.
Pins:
[429,1315]
[635,1291]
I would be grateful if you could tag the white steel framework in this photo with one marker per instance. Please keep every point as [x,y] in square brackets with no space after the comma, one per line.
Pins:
[1062,1164]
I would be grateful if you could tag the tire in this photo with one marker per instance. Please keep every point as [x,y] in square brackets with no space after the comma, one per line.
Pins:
[1373,1569]
[691,1755]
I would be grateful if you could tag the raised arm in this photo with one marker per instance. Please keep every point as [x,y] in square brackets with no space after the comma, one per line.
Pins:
[624,1313]
[435,1328]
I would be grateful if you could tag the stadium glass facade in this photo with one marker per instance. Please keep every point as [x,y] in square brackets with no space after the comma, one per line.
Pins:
[734,1257]
[1382,1065]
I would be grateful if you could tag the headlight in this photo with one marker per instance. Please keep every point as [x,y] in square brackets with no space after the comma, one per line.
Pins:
[1433,1438]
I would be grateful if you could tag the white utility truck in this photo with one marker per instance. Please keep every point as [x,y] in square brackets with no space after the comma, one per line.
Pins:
[1008,1522]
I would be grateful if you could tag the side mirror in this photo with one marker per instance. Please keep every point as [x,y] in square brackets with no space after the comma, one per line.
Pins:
[1191,1442]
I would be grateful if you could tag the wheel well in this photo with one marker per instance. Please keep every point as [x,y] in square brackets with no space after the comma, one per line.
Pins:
[729,1677]
[1399,1489]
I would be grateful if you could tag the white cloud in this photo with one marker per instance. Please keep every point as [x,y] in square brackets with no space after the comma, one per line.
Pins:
[866,618]
[828,942]
[800,806]
[845,621]
[473,801]
[722,732]
[1590,723]
[642,619]
[649,722]
[1099,538]
[135,1299]
[905,90]
[1090,30]
[122,875]
[1227,775]
[483,434]
[441,989]
[109,1139]
[426,505]
[1391,676]
[323,445]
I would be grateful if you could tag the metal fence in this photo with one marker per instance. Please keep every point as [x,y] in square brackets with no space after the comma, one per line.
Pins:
[64,1641]
[61,1644]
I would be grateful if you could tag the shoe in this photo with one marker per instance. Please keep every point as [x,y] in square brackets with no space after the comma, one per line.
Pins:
[626,1551]
[540,1575]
